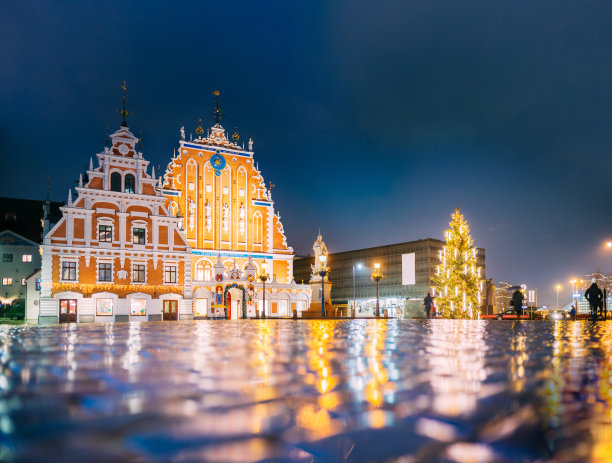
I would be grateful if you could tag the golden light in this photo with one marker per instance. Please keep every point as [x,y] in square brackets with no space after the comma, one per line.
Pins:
[558,287]
[264,267]
[609,244]
[377,266]
[323,259]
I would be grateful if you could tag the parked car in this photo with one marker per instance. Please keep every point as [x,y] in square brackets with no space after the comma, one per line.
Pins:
[510,314]
[557,315]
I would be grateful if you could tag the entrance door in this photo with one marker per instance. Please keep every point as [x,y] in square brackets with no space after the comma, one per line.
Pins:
[68,311]
[170,310]
[228,305]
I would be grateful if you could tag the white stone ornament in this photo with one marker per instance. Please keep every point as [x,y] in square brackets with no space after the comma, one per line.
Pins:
[123,149]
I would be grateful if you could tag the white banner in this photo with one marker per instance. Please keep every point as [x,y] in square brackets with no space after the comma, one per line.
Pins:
[408,269]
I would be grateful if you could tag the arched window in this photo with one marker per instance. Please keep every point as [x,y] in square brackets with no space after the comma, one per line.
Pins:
[203,271]
[257,232]
[115,181]
[130,184]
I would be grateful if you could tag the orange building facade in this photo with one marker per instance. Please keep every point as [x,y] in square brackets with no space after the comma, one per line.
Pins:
[117,254]
[229,222]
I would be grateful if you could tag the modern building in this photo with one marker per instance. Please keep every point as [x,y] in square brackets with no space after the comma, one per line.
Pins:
[408,269]
[22,223]
[117,253]
[214,184]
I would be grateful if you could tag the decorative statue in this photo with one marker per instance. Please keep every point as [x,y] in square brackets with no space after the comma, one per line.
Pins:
[319,249]
[242,214]
[208,216]
[250,144]
[182,132]
[225,218]
[192,208]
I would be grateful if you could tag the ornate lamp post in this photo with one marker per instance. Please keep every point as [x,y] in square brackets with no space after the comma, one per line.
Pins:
[558,288]
[322,273]
[263,276]
[377,276]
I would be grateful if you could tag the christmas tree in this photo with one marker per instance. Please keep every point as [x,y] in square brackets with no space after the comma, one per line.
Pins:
[457,282]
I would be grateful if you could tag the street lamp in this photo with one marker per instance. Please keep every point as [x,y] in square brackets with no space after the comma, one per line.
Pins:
[377,276]
[322,273]
[263,276]
[558,287]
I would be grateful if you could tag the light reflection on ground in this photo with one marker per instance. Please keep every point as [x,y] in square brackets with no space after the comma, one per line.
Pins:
[356,390]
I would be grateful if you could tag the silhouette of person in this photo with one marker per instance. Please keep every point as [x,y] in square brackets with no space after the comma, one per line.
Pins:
[517,301]
[594,296]
[428,302]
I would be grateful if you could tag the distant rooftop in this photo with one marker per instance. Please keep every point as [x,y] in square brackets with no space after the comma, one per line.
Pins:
[23,216]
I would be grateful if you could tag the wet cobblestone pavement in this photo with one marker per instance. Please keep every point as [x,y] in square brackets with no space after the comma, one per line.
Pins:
[301,391]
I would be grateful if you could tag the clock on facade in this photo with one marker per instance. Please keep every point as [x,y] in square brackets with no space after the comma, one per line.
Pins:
[218,163]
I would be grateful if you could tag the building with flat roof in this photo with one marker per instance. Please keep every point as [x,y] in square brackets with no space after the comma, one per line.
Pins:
[408,268]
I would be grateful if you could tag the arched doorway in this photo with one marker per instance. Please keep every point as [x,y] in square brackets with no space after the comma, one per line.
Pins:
[235,301]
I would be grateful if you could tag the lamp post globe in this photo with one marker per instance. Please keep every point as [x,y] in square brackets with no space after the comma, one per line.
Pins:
[263,276]
[377,276]
[322,273]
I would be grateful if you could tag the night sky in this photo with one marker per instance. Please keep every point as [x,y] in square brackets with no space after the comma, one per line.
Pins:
[373,119]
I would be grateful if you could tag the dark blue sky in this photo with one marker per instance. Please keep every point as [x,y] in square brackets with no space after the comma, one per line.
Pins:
[374,119]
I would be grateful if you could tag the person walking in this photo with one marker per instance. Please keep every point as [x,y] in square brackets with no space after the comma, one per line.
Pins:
[595,298]
[428,302]
[573,313]
[517,301]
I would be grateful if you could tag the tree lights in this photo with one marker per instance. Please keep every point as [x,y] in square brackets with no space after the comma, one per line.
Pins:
[457,282]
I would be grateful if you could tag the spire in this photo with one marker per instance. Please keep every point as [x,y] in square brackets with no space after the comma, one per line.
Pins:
[81,180]
[69,198]
[199,128]
[153,172]
[107,138]
[217,113]
[48,188]
[90,164]
[124,112]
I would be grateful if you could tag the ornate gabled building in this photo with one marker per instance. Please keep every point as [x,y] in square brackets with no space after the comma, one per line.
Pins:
[117,254]
[215,186]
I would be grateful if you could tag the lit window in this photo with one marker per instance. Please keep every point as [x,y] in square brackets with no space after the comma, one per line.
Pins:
[138,307]
[7,258]
[170,274]
[207,274]
[104,307]
[69,271]
[7,281]
[138,273]
[138,236]
[130,184]
[38,283]
[23,282]
[115,181]
[26,258]
[105,233]
[105,272]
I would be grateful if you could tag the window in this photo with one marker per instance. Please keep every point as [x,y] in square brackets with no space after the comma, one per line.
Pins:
[138,273]
[23,282]
[7,258]
[115,181]
[38,283]
[138,307]
[7,281]
[257,228]
[105,272]
[105,233]
[170,274]
[104,307]
[138,236]
[10,216]
[26,258]
[130,184]
[69,270]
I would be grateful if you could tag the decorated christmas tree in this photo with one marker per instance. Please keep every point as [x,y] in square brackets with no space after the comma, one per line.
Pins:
[457,282]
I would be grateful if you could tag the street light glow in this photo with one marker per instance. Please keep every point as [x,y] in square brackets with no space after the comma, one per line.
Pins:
[376,265]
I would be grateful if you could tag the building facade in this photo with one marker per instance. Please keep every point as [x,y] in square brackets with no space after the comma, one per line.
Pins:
[408,269]
[215,186]
[117,253]
[22,224]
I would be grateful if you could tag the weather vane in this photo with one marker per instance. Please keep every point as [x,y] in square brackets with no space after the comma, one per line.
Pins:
[124,112]
[217,108]
[235,135]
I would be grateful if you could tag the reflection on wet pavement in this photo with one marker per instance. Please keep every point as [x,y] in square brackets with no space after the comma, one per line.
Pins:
[355,390]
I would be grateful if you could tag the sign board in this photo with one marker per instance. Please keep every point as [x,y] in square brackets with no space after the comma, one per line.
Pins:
[408,269]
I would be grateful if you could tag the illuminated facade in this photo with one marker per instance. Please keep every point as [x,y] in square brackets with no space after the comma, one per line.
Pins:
[116,254]
[214,185]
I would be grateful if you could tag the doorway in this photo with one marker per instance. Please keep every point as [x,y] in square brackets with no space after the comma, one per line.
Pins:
[68,311]
[234,303]
[170,310]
